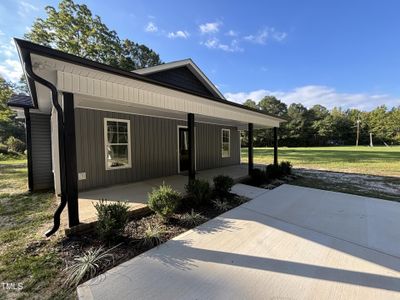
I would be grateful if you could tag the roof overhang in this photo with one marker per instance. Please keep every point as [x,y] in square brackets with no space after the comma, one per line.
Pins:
[107,84]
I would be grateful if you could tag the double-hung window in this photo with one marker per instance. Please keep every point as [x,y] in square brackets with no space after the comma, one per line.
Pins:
[117,143]
[226,142]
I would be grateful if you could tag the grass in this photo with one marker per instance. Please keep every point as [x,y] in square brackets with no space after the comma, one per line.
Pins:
[26,257]
[383,161]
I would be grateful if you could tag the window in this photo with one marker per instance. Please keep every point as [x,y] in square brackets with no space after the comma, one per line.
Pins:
[117,143]
[226,142]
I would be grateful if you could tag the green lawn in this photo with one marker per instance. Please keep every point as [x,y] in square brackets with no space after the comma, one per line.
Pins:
[384,161]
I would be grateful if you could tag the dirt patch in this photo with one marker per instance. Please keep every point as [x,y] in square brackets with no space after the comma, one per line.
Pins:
[377,185]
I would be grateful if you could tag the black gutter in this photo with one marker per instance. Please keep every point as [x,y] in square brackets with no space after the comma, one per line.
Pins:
[52,53]
[28,139]
[27,65]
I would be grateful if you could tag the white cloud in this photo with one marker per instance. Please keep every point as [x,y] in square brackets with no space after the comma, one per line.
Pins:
[8,49]
[11,69]
[1,33]
[210,27]
[268,33]
[214,43]
[316,94]
[151,27]
[232,33]
[179,34]
[25,8]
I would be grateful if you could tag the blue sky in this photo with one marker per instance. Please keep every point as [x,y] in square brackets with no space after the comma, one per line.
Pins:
[336,53]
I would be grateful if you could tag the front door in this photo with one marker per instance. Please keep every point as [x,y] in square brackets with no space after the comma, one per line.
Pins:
[183,148]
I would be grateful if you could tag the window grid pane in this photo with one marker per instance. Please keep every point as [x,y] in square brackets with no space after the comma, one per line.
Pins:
[117,144]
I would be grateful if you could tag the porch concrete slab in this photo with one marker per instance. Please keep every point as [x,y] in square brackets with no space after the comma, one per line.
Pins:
[366,221]
[247,253]
[248,191]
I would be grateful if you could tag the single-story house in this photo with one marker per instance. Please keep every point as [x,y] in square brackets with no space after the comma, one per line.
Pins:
[91,125]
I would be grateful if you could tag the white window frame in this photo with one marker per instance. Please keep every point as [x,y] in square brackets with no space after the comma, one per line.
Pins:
[222,143]
[195,147]
[106,143]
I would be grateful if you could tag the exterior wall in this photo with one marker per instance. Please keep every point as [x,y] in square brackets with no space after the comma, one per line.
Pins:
[181,77]
[153,145]
[41,152]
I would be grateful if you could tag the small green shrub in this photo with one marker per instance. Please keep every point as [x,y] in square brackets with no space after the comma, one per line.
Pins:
[87,265]
[112,219]
[192,219]
[164,201]
[152,236]
[286,167]
[199,191]
[258,176]
[273,171]
[15,145]
[223,185]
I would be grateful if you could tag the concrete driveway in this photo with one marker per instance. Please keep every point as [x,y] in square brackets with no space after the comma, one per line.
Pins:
[287,243]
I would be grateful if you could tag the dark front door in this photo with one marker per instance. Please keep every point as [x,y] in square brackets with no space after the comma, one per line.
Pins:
[183,149]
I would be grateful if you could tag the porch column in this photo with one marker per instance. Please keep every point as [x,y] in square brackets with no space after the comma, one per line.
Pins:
[191,142]
[250,145]
[71,170]
[275,146]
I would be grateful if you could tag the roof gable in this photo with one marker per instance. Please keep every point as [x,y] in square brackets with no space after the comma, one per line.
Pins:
[184,74]
[20,100]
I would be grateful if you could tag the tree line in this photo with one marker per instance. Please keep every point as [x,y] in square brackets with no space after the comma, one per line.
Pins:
[318,126]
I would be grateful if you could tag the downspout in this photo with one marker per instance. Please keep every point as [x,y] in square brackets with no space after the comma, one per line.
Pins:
[60,121]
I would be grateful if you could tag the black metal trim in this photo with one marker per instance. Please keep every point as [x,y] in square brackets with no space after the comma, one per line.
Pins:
[250,148]
[71,169]
[52,53]
[28,139]
[275,146]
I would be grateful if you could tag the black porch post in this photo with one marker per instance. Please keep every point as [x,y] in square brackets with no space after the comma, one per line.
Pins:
[191,142]
[28,138]
[70,159]
[250,145]
[275,146]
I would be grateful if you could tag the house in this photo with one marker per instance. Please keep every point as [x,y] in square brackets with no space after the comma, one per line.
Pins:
[91,125]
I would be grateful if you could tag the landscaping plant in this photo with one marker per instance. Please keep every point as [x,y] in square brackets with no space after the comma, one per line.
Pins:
[286,167]
[192,219]
[152,236]
[222,186]
[198,191]
[221,205]
[87,265]
[258,177]
[164,201]
[112,219]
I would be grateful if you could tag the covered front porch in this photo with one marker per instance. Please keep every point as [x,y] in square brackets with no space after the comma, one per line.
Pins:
[135,194]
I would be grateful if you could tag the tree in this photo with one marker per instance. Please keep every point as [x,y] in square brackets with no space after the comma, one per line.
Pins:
[250,103]
[272,105]
[9,126]
[73,29]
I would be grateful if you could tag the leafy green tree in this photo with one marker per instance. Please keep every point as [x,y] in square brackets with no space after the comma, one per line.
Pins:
[250,103]
[73,29]
[272,105]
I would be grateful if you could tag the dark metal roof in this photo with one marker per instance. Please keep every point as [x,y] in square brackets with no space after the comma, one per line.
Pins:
[26,47]
[20,100]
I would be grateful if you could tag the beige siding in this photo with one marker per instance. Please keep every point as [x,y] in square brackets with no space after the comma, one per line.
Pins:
[154,148]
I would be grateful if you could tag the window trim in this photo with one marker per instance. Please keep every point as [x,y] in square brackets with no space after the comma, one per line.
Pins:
[128,122]
[222,143]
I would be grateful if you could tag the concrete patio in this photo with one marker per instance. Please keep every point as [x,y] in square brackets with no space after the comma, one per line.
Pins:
[287,243]
[136,193]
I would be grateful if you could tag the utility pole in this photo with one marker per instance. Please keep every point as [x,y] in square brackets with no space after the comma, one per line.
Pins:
[370,140]
[358,132]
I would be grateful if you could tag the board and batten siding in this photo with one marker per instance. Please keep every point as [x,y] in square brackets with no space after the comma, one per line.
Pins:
[153,146]
[41,152]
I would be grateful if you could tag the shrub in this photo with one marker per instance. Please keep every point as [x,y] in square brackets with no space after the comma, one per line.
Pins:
[286,167]
[152,236]
[192,219]
[258,176]
[273,171]
[164,201]
[112,219]
[87,265]
[199,191]
[15,145]
[223,185]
